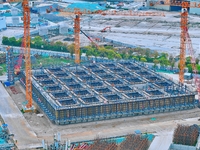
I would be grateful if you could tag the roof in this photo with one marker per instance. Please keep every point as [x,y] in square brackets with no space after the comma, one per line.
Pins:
[85,6]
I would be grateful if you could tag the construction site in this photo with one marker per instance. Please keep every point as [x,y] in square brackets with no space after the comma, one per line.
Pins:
[105,91]
[96,103]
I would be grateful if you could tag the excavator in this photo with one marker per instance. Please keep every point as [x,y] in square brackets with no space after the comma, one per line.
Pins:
[104,29]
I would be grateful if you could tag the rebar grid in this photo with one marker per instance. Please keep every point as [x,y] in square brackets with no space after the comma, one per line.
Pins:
[186,135]
[134,142]
[102,145]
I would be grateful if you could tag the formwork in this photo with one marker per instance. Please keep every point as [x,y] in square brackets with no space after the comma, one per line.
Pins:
[106,90]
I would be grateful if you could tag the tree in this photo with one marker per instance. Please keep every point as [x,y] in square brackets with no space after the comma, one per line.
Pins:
[71,49]
[102,52]
[155,54]
[147,52]
[189,66]
[130,51]
[188,60]
[118,56]
[155,61]
[124,55]
[5,40]
[37,39]
[143,59]
[110,54]
[163,61]
[197,61]
[171,58]
[38,42]
[19,42]
[13,41]
[172,63]
[59,43]
[136,58]
[198,68]
[164,55]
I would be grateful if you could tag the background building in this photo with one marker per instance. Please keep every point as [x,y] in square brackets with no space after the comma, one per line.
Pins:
[162,6]
[2,23]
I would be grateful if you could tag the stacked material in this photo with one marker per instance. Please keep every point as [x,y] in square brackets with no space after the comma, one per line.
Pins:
[134,142]
[186,135]
[102,145]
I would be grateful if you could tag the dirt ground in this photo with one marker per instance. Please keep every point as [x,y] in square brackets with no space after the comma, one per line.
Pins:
[140,30]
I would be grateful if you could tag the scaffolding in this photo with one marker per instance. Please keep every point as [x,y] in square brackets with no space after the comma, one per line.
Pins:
[10,65]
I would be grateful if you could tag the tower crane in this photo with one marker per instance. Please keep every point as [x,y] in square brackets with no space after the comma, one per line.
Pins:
[26,48]
[184,37]
[17,67]
[193,62]
[185,5]
[26,41]
[77,36]
[77,19]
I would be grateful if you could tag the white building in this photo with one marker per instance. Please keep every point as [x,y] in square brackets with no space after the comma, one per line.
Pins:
[2,23]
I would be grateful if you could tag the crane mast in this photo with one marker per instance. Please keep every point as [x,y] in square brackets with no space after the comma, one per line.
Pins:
[184,22]
[77,37]
[26,41]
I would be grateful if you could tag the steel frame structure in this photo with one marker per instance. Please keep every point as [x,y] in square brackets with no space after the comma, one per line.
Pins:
[71,106]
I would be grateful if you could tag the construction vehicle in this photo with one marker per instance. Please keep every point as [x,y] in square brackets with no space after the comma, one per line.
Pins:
[89,39]
[104,29]
[17,67]
[184,37]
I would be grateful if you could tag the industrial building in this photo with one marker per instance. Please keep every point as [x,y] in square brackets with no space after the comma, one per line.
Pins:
[105,91]
[171,7]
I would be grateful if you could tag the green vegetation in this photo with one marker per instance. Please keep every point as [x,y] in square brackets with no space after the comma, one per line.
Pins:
[189,65]
[140,54]
[38,43]
[46,61]
[4,67]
